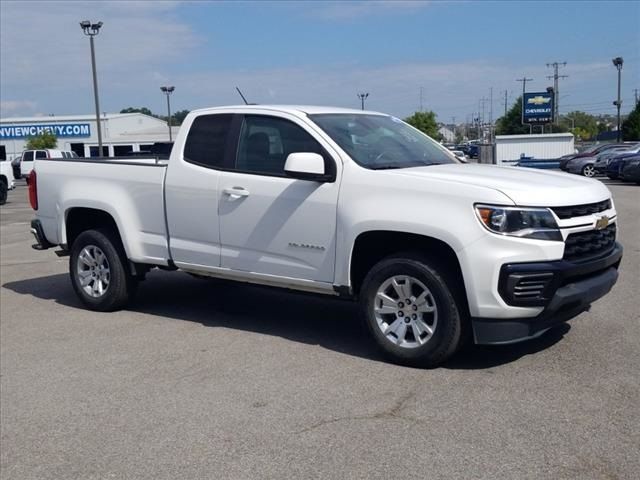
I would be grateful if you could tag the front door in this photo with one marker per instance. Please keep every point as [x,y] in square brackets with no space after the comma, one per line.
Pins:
[270,223]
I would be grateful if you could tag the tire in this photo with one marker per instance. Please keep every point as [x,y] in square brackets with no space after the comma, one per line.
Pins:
[588,170]
[4,192]
[109,288]
[438,310]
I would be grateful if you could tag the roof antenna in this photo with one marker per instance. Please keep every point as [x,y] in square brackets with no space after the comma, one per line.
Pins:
[244,99]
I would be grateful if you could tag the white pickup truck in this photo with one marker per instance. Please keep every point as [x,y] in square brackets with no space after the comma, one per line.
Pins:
[340,202]
[6,180]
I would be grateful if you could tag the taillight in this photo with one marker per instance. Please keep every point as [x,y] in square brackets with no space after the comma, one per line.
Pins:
[33,190]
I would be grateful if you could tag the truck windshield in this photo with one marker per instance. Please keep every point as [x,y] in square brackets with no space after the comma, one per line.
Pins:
[381,141]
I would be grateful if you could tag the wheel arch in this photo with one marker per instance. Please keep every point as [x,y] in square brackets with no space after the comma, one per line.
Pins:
[80,219]
[372,246]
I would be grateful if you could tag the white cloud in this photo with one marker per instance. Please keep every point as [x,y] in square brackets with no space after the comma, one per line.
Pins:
[11,107]
[44,49]
[347,10]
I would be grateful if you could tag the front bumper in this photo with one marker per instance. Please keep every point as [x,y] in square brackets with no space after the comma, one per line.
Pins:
[574,286]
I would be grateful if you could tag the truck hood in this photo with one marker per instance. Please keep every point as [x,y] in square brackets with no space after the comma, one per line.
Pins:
[525,186]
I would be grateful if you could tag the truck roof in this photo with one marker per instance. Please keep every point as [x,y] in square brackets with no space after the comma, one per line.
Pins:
[293,109]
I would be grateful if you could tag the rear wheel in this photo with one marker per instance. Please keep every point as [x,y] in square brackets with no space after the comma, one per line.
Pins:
[411,311]
[588,170]
[4,192]
[99,273]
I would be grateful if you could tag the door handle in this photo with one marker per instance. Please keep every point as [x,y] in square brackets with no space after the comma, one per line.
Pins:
[236,192]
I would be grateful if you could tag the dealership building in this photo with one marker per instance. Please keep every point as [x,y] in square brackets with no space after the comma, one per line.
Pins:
[122,133]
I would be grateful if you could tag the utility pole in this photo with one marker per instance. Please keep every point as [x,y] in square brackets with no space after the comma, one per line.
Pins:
[505,102]
[453,121]
[524,81]
[483,102]
[491,115]
[421,108]
[556,92]
[362,97]
[635,94]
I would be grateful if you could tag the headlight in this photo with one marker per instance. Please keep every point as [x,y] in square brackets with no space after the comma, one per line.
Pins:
[537,223]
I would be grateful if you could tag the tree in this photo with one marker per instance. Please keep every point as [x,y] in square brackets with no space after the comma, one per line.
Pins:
[426,123]
[631,126]
[144,110]
[581,124]
[42,141]
[511,123]
[178,117]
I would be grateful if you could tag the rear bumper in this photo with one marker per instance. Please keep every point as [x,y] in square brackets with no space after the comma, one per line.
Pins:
[575,285]
[41,241]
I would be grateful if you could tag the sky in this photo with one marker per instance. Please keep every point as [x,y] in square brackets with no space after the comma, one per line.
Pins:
[408,55]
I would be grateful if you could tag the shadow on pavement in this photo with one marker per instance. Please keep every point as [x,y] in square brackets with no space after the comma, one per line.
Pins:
[312,319]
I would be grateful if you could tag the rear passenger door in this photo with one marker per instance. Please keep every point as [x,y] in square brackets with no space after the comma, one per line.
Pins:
[270,223]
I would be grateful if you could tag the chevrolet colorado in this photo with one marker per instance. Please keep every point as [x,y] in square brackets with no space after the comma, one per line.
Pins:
[340,202]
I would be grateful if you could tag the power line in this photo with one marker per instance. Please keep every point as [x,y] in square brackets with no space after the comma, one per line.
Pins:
[556,91]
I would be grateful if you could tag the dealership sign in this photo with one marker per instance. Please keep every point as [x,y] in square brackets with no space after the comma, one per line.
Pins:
[58,129]
[537,108]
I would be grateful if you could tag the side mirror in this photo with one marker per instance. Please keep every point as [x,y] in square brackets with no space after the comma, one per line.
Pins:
[305,166]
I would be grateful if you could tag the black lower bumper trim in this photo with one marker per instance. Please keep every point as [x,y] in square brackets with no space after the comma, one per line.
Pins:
[568,301]
[41,241]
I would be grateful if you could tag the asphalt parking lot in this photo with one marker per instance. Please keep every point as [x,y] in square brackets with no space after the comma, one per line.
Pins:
[212,380]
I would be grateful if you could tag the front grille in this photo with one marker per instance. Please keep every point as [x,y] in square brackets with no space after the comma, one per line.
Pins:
[583,245]
[581,210]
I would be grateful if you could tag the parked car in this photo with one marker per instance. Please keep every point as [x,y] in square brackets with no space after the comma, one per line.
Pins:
[6,180]
[602,159]
[28,156]
[15,165]
[339,202]
[616,163]
[581,166]
[630,171]
[590,152]
[460,155]
[562,161]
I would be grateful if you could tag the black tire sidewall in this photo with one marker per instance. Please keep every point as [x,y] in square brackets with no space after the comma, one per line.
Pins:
[4,192]
[446,338]
[121,283]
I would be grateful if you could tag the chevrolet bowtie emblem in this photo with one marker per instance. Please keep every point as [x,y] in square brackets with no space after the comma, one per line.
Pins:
[538,100]
[602,222]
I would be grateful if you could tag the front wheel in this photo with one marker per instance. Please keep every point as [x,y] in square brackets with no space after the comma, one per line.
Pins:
[589,170]
[411,311]
[98,269]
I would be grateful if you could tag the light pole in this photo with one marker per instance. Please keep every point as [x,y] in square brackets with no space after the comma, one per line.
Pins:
[91,30]
[617,62]
[167,91]
[362,97]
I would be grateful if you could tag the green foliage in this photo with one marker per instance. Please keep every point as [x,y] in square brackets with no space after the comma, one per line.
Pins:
[176,119]
[42,141]
[426,123]
[586,126]
[511,123]
[144,110]
[631,126]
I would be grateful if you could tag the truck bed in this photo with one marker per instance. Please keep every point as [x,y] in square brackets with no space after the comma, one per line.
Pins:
[130,189]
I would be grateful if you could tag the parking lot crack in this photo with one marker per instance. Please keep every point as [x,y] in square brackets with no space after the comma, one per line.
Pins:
[394,411]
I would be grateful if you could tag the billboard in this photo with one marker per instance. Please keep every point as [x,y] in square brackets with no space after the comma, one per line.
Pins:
[58,129]
[537,108]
